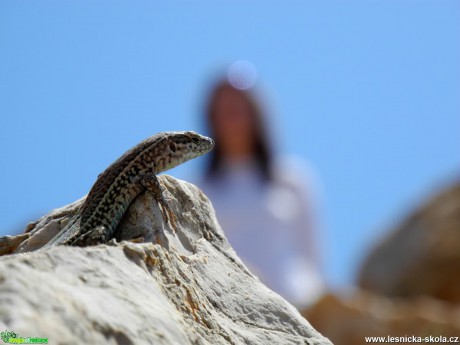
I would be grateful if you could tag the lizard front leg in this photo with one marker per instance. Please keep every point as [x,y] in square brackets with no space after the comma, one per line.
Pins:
[151,183]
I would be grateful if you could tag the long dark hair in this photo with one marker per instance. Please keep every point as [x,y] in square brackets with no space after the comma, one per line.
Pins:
[262,150]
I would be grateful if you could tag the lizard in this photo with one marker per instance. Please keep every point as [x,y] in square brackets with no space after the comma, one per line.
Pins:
[118,185]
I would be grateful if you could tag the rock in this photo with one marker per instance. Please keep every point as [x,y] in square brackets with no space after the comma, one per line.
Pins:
[187,287]
[9,244]
[413,283]
[422,255]
[348,321]
[44,229]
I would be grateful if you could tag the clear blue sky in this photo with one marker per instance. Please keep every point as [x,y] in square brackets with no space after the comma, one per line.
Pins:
[367,91]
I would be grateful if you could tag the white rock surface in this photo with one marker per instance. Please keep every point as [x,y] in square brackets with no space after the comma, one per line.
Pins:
[187,287]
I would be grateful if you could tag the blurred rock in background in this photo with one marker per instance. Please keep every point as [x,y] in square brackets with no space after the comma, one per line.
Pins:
[410,282]
[422,255]
[347,321]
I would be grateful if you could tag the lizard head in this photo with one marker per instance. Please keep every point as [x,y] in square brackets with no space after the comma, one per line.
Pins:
[180,147]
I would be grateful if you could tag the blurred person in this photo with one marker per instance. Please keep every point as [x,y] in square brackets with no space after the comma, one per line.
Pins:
[262,202]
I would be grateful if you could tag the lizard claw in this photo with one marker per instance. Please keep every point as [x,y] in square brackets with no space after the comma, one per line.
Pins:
[96,236]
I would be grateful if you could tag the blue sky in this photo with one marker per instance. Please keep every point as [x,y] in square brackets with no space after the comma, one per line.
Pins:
[366,91]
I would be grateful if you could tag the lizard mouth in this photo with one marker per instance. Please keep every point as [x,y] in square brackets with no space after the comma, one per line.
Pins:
[211,143]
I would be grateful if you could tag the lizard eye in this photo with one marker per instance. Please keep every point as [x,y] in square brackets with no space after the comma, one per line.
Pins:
[195,140]
[172,147]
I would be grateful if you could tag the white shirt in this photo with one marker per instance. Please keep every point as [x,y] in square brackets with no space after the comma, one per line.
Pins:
[270,227]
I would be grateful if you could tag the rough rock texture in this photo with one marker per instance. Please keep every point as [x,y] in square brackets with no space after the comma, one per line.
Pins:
[347,321]
[187,287]
[422,256]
